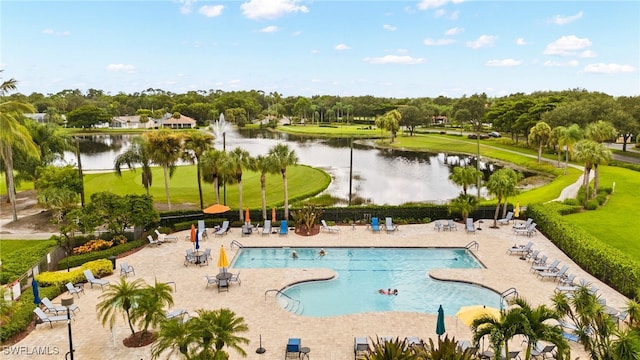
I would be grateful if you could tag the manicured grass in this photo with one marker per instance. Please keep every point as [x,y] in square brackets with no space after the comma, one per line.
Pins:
[183,187]
[616,222]
[342,130]
[8,246]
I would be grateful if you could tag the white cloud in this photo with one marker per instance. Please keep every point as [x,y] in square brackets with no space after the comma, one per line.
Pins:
[269,29]
[503,63]
[186,6]
[454,31]
[402,51]
[342,47]
[587,54]
[211,10]
[389,27]
[567,46]
[56,33]
[563,20]
[439,13]
[454,15]
[432,4]
[439,42]
[271,9]
[121,67]
[482,41]
[521,41]
[602,68]
[561,64]
[395,59]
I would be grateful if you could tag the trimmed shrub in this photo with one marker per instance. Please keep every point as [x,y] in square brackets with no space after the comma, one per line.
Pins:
[593,204]
[16,263]
[78,260]
[99,268]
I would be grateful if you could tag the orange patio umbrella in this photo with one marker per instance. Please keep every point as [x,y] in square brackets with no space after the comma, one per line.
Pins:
[273,214]
[246,216]
[216,209]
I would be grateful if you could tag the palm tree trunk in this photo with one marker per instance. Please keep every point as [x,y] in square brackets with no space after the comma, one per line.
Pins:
[596,180]
[566,158]
[495,214]
[263,191]
[216,189]
[240,200]
[585,183]
[166,185]
[11,189]
[539,152]
[286,195]
[199,185]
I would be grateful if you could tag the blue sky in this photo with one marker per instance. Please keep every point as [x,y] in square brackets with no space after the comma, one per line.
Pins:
[347,48]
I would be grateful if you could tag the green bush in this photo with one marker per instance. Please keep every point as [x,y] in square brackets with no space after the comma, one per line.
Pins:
[21,312]
[606,263]
[571,202]
[78,260]
[592,204]
[58,279]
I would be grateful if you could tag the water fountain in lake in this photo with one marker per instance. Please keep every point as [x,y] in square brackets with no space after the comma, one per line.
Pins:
[219,127]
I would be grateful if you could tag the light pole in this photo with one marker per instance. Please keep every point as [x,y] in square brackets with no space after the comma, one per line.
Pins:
[68,302]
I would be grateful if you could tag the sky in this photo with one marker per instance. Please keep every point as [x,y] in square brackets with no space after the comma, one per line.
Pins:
[396,49]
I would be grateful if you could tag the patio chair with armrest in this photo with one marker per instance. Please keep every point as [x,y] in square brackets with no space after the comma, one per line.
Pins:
[266,229]
[360,348]
[236,278]
[74,289]
[223,285]
[551,267]
[389,226]
[126,269]
[556,275]
[437,225]
[284,228]
[223,229]
[506,220]
[452,225]
[292,351]
[522,226]
[49,319]
[93,280]
[328,228]
[152,241]
[52,308]
[375,225]
[529,231]
[211,280]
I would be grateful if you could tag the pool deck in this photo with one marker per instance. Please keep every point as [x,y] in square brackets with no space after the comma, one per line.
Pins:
[328,338]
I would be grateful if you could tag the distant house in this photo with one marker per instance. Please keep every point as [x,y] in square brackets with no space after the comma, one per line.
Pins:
[183,122]
[131,122]
[440,120]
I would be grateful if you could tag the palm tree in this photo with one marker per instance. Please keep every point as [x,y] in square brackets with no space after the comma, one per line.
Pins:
[463,204]
[540,135]
[122,296]
[165,150]
[238,159]
[535,327]
[137,154]
[465,176]
[601,156]
[150,309]
[393,349]
[585,151]
[447,349]
[14,135]
[502,184]
[264,164]
[283,157]
[500,330]
[568,138]
[174,335]
[196,143]
[213,168]
[215,329]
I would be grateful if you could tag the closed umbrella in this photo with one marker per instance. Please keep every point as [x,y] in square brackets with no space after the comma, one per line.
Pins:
[216,209]
[440,323]
[223,261]
[273,215]
[197,240]
[247,219]
[36,292]
[193,234]
[516,212]
[467,314]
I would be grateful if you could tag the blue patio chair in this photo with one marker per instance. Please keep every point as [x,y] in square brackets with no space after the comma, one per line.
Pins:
[284,227]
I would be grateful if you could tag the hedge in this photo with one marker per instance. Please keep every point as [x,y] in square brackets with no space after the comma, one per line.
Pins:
[99,268]
[610,265]
[21,312]
[77,260]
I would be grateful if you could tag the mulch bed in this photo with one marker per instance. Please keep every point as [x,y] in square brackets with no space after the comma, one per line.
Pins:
[140,339]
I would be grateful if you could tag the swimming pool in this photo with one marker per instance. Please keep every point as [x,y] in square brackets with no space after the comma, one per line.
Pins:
[361,272]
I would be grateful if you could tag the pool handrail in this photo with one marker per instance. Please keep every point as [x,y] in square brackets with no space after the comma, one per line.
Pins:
[472,244]
[236,243]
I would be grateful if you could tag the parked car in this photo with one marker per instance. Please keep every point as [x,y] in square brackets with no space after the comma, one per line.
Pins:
[473,136]
[494,134]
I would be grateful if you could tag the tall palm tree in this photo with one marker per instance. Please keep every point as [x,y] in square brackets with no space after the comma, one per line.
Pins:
[196,143]
[138,153]
[568,138]
[150,309]
[265,166]
[14,135]
[215,329]
[463,204]
[601,156]
[119,297]
[465,176]
[535,327]
[283,157]
[585,151]
[213,168]
[502,184]
[500,331]
[239,159]
[540,135]
[600,131]
[165,150]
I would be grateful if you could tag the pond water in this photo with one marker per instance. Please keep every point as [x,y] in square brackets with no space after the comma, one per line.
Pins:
[380,176]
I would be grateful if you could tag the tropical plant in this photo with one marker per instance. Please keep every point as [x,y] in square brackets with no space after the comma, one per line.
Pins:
[239,159]
[165,150]
[283,157]
[138,153]
[213,330]
[502,184]
[13,135]
[540,135]
[175,335]
[463,204]
[568,137]
[150,308]
[196,143]
[499,330]
[391,122]
[119,297]
[392,349]
[586,151]
[465,176]
[307,216]
[447,349]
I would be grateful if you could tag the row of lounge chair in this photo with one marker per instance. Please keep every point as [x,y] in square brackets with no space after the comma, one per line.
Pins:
[445,225]
[388,225]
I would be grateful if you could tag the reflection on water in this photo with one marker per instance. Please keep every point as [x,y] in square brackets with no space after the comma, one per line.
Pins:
[383,176]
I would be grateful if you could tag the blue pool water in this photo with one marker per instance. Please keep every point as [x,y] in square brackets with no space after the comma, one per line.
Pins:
[361,272]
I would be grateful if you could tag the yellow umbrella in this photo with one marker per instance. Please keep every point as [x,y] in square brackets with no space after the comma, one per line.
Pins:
[467,314]
[516,212]
[223,261]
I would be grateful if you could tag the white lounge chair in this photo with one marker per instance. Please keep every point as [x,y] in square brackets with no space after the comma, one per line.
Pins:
[180,314]
[74,289]
[48,319]
[126,269]
[93,280]
[223,229]
[551,267]
[266,229]
[202,229]
[529,231]
[470,228]
[389,226]
[520,249]
[360,348]
[165,237]
[52,308]
[328,228]
[553,274]
[522,226]
[506,220]
[152,241]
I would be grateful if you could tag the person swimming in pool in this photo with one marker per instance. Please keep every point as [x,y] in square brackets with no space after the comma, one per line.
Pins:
[322,252]
[388,292]
[294,254]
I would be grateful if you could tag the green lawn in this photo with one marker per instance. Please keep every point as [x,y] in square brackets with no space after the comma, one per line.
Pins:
[183,188]
[342,130]
[615,223]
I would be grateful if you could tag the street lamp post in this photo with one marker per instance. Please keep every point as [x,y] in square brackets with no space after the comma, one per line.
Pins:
[68,302]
